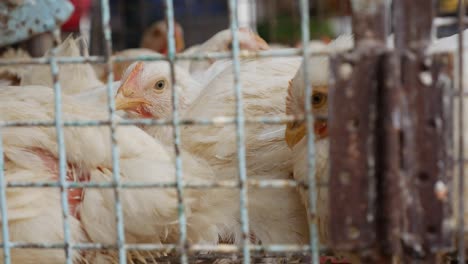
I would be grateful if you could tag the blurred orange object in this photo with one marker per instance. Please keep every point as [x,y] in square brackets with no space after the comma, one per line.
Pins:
[155,37]
[325,39]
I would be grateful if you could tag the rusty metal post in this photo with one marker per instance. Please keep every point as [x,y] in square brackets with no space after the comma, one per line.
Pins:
[389,158]
[353,97]
[352,144]
[422,138]
[440,130]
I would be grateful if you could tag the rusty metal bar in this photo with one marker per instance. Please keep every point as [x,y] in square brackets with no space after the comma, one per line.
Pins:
[413,24]
[423,138]
[440,129]
[388,164]
[352,150]
[394,148]
[370,19]
[352,124]
[460,139]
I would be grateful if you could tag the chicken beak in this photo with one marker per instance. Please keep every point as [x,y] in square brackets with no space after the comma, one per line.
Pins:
[294,134]
[125,98]
[126,103]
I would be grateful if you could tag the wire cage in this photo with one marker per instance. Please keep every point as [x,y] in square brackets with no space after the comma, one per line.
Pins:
[390,177]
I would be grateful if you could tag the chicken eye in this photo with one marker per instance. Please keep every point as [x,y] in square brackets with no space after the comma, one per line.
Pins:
[318,100]
[160,85]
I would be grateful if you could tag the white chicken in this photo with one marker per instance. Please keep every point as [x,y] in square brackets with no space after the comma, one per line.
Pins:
[150,215]
[276,215]
[201,71]
[319,75]
[221,41]
[11,75]
[295,135]
[74,78]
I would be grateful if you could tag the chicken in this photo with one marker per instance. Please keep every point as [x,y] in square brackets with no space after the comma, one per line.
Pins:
[98,96]
[152,79]
[11,75]
[74,78]
[120,67]
[295,132]
[319,76]
[79,80]
[318,72]
[147,86]
[295,137]
[155,37]
[264,84]
[150,215]
[154,41]
[221,41]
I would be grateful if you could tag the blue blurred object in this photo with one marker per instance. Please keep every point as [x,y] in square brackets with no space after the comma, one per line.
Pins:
[33,17]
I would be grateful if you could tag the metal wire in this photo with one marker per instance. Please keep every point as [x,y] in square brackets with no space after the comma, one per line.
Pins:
[62,156]
[312,205]
[176,134]
[244,54]
[461,167]
[244,214]
[239,120]
[220,120]
[228,184]
[3,208]
[112,116]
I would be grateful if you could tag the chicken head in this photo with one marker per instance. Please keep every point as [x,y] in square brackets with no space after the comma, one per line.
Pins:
[296,130]
[318,73]
[146,89]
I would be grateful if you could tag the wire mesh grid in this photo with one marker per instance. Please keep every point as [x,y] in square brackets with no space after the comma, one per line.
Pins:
[183,247]
[239,120]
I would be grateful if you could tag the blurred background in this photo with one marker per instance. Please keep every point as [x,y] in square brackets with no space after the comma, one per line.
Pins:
[277,21]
